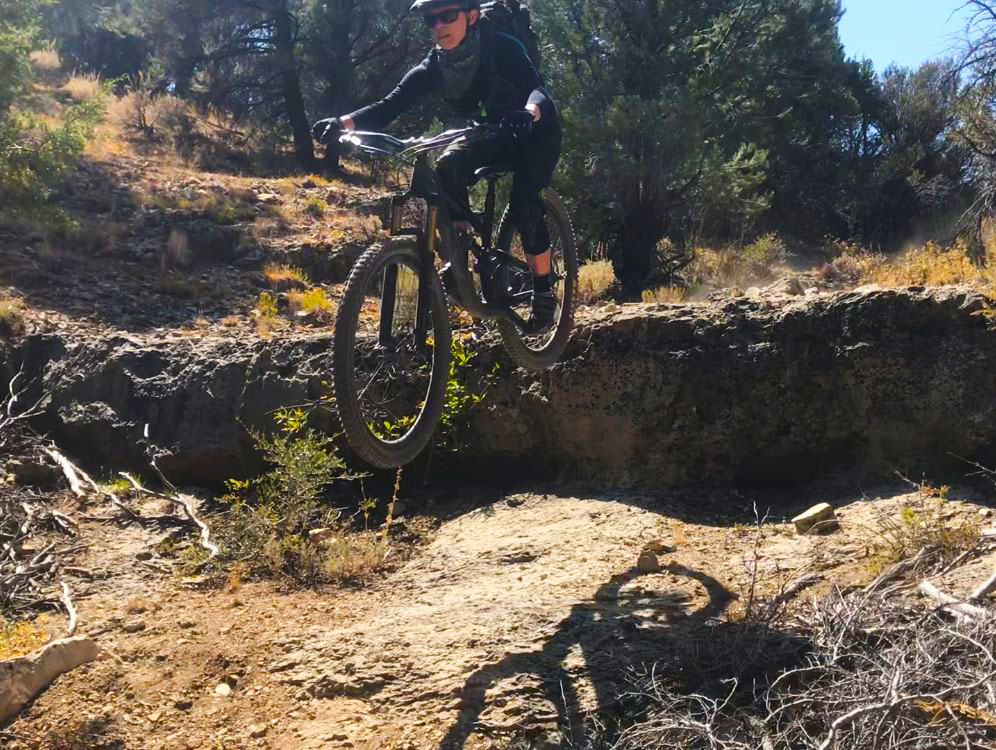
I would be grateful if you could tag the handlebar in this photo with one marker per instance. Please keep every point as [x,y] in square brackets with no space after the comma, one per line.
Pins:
[387,145]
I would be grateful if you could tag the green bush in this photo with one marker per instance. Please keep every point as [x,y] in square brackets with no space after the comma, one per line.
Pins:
[265,532]
[18,37]
[34,157]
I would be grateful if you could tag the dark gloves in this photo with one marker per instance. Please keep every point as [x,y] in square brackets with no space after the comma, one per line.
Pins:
[518,124]
[325,129]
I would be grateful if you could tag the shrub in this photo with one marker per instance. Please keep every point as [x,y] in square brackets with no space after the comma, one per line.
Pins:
[150,114]
[266,530]
[312,302]
[923,523]
[84,87]
[46,60]
[732,266]
[763,254]
[594,280]
[847,269]
[11,317]
[669,294]
[265,313]
[315,208]
[932,265]
[34,157]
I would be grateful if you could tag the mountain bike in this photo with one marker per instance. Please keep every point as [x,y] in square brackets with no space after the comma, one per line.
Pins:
[392,341]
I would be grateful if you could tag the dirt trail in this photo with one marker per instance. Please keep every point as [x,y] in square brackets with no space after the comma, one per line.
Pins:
[518,620]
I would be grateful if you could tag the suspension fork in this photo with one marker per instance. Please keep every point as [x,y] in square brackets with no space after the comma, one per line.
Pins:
[426,279]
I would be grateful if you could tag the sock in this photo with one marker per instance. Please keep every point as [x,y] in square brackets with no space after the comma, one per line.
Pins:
[542,284]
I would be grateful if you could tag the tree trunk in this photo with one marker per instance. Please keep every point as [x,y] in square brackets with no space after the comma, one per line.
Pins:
[291,86]
[339,22]
[634,257]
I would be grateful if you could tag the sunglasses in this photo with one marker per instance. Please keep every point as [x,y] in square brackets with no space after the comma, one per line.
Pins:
[445,17]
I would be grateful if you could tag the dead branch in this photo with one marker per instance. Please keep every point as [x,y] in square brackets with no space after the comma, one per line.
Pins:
[9,413]
[985,588]
[77,477]
[186,504]
[67,601]
[956,606]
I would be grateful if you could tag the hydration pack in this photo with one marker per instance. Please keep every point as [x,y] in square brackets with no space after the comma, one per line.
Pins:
[512,18]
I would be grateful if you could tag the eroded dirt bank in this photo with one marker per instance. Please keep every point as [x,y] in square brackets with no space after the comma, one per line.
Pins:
[770,388]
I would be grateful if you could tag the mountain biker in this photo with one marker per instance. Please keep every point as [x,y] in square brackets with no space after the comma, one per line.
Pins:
[474,67]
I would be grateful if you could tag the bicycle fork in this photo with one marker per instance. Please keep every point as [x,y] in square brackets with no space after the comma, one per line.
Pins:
[389,288]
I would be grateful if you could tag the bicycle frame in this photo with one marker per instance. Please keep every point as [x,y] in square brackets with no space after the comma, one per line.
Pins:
[425,184]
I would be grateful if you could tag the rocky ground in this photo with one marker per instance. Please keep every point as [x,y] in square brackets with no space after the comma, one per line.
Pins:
[519,617]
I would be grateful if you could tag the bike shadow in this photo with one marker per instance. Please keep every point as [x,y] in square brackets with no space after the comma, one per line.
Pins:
[587,665]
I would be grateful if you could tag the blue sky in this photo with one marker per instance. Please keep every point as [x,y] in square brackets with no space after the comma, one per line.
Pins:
[906,32]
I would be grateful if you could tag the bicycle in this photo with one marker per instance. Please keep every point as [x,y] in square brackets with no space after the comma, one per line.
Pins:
[392,340]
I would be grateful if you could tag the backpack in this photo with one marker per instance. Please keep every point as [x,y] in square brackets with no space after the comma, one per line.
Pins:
[512,18]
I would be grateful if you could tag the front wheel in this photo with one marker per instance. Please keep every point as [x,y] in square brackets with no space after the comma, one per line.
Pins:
[390,364]
[541,350]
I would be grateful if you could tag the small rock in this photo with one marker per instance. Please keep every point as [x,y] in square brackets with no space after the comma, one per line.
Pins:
[257,730]
[183,704]
[821,517]
[223,689]
[133,627]
[144,555]
[309,184]
[321,535]
[657,547]
[268,198]
[648,562]
[985,512]
[154,717]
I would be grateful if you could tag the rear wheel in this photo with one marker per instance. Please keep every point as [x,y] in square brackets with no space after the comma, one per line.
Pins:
[541,350]
[389,382]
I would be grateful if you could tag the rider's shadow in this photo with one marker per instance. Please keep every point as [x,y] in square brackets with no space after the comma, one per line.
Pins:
[624,628]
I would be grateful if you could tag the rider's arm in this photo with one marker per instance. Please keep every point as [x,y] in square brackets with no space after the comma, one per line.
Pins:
[416,84]
[519,70]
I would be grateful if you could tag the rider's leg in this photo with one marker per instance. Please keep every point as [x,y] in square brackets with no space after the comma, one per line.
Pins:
[536,162]
[456,167]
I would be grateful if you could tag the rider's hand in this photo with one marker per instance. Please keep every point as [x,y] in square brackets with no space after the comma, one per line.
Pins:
[325,129]
[517,124]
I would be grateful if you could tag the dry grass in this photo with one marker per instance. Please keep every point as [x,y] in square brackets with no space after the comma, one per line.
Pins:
[83,87]
[20,638]
[46,60]
[11,316]
[933,265]
[667,294]
[149,115]
[181,287]
[758,262]
[923,523]
[354,556]
[284,276]
[177,252]
[265,227]
[312,302]
[594,280]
